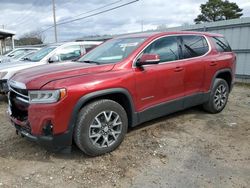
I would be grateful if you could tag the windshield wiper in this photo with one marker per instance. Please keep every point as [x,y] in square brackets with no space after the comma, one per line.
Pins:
[26,59]
[91,62]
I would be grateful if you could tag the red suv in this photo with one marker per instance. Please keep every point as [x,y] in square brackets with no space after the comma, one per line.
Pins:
[122,83]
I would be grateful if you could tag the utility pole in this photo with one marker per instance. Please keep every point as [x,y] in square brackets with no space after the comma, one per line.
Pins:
[54,16]
[142,26]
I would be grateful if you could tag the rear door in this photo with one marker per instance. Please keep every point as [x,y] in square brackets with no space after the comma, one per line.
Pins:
[223,58]
[194,49]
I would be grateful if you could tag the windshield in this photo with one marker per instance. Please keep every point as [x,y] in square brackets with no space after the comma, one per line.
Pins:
[17,52]
[40,54]
[112,51]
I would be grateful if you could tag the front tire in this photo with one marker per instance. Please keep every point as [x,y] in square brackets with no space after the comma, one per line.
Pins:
[101,127]
[218,97]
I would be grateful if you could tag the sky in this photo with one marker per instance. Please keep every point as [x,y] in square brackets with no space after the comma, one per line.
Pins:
[23,16]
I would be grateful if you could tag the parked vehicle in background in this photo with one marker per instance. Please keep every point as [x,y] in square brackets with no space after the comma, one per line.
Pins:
[53,53]
[16,53]
[121,83]
[19,57]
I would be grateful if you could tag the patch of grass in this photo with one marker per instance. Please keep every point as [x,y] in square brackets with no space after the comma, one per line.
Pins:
[242,84]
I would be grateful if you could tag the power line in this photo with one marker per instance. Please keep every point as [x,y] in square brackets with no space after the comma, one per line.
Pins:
[23,16]
[107,5]
[26,17]
[91,15]
[88,12]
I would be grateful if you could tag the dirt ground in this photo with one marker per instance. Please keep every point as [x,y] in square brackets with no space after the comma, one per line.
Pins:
[187,149]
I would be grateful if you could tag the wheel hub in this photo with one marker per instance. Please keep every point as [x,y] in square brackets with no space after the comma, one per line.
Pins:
[106,129]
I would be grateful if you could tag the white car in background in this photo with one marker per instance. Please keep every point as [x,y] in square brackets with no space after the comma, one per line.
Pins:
[53,53]
[19,57]
[16,53]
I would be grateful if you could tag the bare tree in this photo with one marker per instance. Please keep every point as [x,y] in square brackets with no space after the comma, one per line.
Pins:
[31,38]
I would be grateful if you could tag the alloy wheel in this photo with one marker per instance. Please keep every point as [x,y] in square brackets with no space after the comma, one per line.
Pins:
[105,128]
[220,96]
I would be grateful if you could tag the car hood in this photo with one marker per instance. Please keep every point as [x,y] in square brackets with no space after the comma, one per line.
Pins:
[13,64]
[37,77]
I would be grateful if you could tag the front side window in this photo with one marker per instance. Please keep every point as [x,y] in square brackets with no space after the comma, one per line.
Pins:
[69,53]
[113,51]
[221,44]
[194,46]
[166,48]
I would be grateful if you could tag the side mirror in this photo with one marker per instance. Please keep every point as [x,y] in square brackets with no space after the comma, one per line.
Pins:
[148,59]
[53,59]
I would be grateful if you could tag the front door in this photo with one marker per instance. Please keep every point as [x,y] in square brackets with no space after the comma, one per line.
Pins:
[160,83]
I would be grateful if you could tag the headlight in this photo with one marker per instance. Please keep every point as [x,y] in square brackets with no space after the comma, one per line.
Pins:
[46,96]
[3,74]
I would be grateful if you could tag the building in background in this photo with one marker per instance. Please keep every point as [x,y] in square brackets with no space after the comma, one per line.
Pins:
[6,41]
[237,32]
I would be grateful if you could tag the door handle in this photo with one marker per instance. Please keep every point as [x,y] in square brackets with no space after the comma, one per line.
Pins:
[178,69]
[213,63]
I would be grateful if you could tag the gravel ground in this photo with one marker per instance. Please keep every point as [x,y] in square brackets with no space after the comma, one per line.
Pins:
[186,149]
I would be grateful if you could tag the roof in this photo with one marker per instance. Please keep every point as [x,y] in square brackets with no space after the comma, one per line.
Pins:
[6,33]
[158,34]
[80,43]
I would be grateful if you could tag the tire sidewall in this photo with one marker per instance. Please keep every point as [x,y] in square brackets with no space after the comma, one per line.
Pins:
[89,113]
[217,83]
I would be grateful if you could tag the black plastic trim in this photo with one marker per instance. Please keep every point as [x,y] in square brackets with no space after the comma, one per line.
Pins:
[219,72]
[173,106]
[57,143]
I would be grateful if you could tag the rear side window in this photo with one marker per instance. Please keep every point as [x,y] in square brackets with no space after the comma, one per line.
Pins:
[166,48]
[194,46]
[70,53]
[221,44]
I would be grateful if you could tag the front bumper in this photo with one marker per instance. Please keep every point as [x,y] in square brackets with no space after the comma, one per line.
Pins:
[4,88]
[56,143]
[41,123]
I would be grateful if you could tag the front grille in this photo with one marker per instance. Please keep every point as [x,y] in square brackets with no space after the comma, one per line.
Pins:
[19,103]
[21,91]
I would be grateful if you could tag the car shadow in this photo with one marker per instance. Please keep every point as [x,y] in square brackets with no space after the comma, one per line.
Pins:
[3,99]
[22,149]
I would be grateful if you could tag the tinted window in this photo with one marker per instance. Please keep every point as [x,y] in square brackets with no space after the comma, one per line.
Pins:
[69,53]
[221,44]
[89,47]
[166,48]
[194,46]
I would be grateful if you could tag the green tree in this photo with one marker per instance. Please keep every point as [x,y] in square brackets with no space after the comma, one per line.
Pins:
[215,10]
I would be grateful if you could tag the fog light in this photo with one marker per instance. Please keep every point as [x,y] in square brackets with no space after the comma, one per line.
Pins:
[48,129]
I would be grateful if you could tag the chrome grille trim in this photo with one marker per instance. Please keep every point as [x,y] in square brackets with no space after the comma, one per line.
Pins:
[23,100]
[24,96]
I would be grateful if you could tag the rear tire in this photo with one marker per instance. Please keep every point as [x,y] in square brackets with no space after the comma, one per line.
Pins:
[101,127]
[218,97]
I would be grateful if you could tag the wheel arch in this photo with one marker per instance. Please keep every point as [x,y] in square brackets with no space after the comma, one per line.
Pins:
[225,74]
[119,95]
